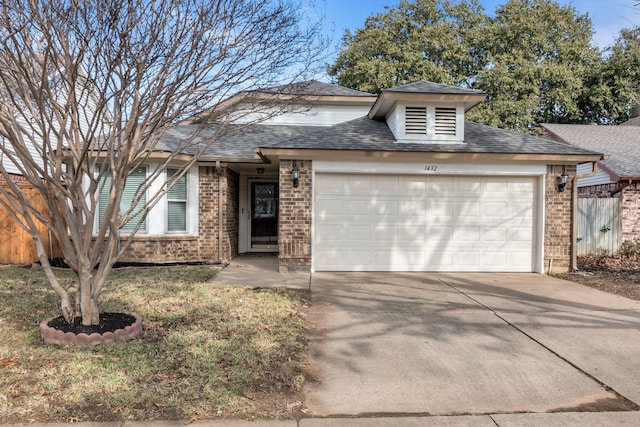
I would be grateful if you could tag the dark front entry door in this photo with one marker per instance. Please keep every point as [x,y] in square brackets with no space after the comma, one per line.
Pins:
[264,215]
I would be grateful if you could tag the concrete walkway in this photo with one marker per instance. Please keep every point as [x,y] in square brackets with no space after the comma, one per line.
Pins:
[602,419]
[413,349]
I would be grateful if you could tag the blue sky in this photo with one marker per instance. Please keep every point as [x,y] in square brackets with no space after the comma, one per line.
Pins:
[608,16]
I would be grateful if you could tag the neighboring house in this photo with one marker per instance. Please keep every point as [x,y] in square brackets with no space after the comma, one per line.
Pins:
[356,182]
[618,175]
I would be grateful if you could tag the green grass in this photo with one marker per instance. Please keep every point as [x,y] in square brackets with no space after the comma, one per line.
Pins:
[206,351]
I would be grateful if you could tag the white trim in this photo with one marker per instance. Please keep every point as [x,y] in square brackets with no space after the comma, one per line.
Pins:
[412,168]
[428,168]
[244,210]
[540,226]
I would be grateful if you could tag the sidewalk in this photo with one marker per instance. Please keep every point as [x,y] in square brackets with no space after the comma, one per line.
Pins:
[260,271]
[565,419]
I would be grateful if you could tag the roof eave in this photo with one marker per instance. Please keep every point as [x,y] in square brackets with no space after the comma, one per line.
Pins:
[560,159]
[386,101]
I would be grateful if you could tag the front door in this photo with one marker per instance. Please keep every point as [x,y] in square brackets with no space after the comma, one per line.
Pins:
[264,216]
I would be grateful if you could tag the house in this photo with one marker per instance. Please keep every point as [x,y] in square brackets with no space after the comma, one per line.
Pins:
[616,176]
[357,182]
[23,165]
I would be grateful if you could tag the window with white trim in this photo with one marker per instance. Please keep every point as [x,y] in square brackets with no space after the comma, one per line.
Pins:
[133,187]
[176,202]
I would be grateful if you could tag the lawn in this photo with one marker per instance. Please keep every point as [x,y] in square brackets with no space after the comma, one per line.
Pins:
[206,351]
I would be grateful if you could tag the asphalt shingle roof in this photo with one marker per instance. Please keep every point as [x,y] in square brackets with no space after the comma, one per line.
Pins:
[620,143]
[367,134]
[362,134]
[236,142]
[316,88]
[430,87]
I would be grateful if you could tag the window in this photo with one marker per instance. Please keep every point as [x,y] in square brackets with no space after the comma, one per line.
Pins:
[134,186]
[176,202]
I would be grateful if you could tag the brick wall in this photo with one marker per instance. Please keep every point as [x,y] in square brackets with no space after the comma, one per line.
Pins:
[558,221]
[207,242]
[163,249]
[294,228]
[631,213]
[231,190]
[15,178]
[602,190]
[203,247]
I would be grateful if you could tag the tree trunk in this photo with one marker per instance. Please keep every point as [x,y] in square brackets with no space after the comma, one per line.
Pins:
[88,304]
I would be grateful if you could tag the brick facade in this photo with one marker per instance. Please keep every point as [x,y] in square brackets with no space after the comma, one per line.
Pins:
[19,179]
[294,239]
[558,220]
[631,213]
[205,246]
[295,221]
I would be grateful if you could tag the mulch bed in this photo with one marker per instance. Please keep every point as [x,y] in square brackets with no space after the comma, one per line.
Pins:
[616,274]
[109,322]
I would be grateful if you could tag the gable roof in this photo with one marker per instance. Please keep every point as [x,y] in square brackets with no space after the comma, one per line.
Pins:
[316,88]
[620,143]
[307,92]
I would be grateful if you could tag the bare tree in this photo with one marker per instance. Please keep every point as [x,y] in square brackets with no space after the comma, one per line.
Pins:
[87,90]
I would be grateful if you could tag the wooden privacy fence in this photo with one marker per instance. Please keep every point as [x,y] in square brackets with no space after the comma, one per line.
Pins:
[16,245]
[599,225]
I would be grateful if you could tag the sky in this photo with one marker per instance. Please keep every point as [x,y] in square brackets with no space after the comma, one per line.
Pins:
[608,16]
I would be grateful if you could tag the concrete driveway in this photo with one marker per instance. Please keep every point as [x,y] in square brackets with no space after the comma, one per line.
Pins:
[443,344]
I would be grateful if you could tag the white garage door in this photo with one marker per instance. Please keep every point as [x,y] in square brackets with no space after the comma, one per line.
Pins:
[424,223]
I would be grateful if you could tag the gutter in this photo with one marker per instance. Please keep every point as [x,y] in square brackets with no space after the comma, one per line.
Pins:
[574,214]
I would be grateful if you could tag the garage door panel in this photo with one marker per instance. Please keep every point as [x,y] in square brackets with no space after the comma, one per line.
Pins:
[385,185]
[424,223]
[496,185]
[439,208]
[409,234]
[466,208]
[495,234]
[384,207]
[359,233]
[520,209]
[466,234]
[438,185]
[497,209]
[521,259]
[438,234]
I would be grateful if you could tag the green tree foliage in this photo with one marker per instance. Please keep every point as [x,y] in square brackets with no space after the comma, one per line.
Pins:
[612,87]
[534,58]
[431,40]
[540,54]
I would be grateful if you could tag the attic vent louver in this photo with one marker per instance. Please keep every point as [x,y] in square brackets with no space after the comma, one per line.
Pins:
[445,121]
[416,120]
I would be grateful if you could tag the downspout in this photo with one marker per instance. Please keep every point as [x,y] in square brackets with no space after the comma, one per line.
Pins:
[574,214]
[220,213]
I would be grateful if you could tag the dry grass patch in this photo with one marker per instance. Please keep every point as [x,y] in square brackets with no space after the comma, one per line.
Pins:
[207,351]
